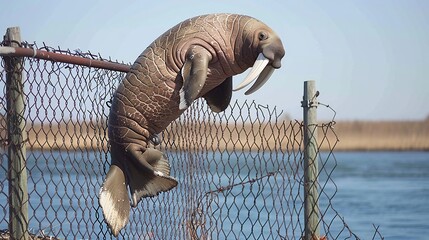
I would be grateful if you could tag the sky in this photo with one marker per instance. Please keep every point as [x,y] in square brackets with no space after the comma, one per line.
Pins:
[370,59]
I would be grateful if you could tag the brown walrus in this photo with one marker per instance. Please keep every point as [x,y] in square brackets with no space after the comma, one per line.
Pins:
[196,58]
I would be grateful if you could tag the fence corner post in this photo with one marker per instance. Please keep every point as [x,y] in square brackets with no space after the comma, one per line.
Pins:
[311,171]
[17,171]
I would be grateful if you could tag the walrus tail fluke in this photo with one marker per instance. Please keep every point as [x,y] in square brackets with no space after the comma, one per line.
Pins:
[142,182]
[114,199]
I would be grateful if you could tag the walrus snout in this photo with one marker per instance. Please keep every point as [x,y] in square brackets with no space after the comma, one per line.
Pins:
[276,64]
[275,52]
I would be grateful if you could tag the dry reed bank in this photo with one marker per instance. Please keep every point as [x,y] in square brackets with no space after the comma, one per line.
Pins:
[383,135]
[351,135]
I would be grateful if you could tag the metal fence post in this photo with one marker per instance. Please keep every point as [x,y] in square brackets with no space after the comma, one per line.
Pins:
[17,172]
[311,194]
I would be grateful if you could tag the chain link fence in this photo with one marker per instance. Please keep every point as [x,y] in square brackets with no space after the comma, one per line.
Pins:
[240,172]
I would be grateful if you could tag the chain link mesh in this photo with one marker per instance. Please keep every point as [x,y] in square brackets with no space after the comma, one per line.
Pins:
[240,172]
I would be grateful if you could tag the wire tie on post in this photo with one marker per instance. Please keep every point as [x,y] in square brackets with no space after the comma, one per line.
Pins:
[305,104]
[310,103]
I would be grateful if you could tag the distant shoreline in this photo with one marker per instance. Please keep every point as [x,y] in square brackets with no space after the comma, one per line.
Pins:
[382,135]
[351,136]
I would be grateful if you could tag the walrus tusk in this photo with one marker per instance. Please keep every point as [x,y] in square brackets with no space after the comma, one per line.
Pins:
[262,79]
[257,68]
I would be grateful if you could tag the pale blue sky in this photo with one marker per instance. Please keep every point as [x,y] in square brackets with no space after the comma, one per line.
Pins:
[370,58]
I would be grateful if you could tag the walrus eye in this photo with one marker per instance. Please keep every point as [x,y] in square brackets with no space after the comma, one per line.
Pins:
[263,36]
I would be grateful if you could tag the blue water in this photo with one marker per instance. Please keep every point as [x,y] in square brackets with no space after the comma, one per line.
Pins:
[388,190]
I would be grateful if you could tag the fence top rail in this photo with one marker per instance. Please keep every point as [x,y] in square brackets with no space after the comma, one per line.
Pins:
[61,57]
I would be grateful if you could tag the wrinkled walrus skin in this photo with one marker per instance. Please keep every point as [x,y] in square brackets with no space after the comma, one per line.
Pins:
[196,58]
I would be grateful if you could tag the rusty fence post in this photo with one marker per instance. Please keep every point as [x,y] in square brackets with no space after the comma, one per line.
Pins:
[17,172]
[311,171]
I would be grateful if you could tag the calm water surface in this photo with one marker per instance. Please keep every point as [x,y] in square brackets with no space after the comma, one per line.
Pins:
[387,189]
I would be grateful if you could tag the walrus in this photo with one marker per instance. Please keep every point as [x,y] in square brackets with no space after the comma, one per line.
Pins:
[196,58]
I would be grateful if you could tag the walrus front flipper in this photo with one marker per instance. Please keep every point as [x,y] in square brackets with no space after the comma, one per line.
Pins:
[114,200]
[194,75]
[147,181]
[219,97]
